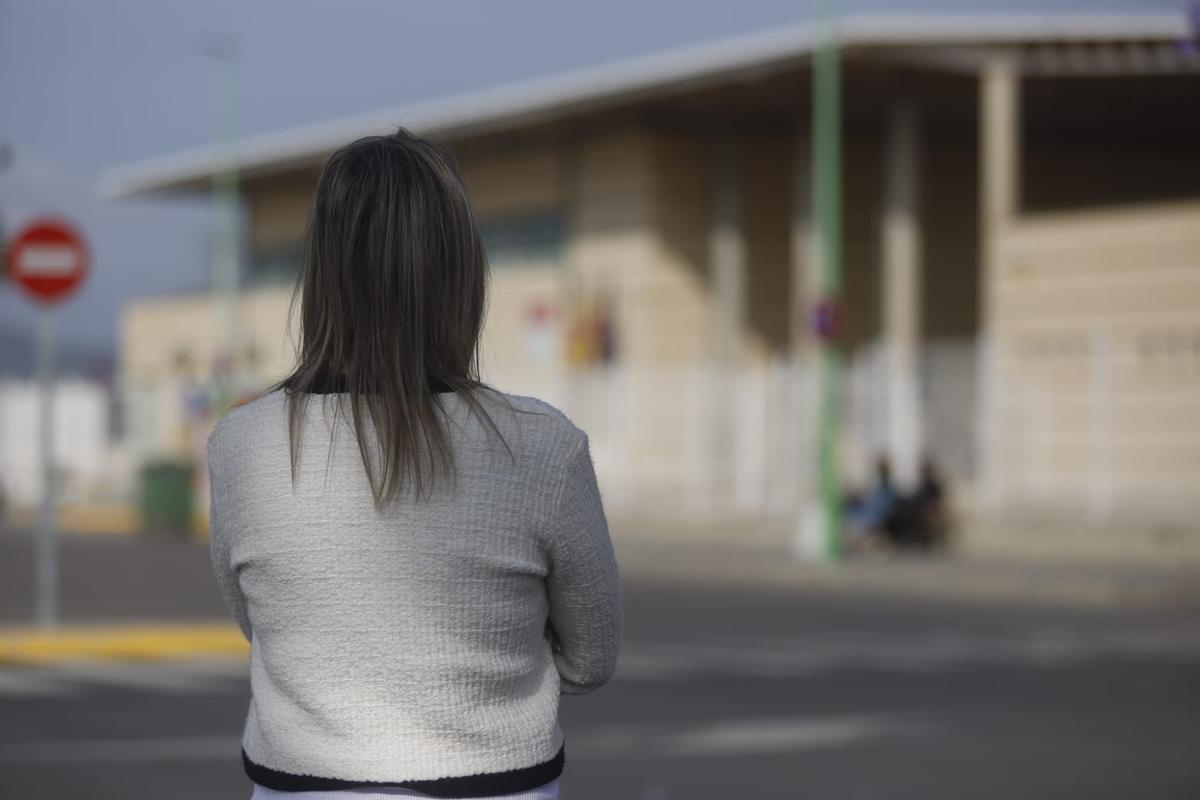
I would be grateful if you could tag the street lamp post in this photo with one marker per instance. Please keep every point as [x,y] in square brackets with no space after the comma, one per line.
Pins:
[225,252]
[6,158]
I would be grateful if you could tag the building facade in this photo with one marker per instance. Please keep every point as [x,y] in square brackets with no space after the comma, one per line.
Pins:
[1021,264]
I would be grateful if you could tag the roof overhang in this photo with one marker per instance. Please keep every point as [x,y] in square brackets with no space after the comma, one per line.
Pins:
[594,88]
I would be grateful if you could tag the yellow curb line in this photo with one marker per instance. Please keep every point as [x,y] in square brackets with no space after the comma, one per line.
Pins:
[121,642]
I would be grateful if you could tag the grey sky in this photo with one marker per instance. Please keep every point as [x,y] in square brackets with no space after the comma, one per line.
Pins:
[88,85]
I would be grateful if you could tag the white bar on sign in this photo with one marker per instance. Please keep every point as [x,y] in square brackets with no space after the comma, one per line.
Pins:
[49,261]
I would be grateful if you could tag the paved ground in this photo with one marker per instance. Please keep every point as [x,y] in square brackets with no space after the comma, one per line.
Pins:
[112,578]
[722,692]
[745,554]
[130,578]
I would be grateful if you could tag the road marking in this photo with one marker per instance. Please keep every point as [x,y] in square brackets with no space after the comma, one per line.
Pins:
[796,658]
[33,683]
[736,737]
[778,735]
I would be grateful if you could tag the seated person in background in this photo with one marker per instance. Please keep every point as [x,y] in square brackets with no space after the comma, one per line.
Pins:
[869,515]
[929,506]
[919,519]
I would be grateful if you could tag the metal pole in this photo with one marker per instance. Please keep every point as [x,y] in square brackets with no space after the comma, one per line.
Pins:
[225,234]
[826,174]
[6,157]
[47,540]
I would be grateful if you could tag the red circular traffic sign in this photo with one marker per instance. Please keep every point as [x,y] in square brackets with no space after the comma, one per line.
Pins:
[49,259]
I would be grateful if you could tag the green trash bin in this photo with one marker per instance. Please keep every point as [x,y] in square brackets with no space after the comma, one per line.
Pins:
[167,497]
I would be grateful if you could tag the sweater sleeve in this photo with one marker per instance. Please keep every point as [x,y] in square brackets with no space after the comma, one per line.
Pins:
[218,540]
[583,583]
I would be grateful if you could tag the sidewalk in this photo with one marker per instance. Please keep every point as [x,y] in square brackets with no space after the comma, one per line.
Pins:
[122,598]
[758,552]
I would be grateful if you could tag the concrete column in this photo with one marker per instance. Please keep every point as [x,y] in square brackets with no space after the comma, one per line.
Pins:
[999,149]
[727,261]
[801,278]
[901,287]
[802,397]
[727,253]
[999,196]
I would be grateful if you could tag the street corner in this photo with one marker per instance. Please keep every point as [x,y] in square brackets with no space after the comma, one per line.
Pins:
[121,642]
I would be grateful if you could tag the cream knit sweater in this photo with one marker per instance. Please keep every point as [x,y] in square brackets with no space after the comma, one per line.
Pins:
[410,647]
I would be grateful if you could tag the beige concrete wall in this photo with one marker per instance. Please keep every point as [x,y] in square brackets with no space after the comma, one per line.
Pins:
[168,344]
[517,353]
[1097,337]
[613,243]
[614,249]
[716,427]
[516,177]
[163,337]
[684,170]
[769,186]
[678,288]
[862,203]
[684,196]
[948,198]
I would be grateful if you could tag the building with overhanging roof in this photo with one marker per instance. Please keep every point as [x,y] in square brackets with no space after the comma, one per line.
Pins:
[1021,262]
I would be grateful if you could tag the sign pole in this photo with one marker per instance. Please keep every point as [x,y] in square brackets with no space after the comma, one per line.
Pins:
[48,259]
[47,541]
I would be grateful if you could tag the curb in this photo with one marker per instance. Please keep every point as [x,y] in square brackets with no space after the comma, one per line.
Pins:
[101,520]
[933,581]
[132,642]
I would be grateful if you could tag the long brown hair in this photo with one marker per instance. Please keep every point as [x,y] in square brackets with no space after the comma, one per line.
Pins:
[393,279]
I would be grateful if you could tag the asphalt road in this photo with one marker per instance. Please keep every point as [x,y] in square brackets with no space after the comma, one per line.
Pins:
[720,693]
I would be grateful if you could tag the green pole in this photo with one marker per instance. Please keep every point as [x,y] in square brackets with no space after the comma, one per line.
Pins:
[826,176]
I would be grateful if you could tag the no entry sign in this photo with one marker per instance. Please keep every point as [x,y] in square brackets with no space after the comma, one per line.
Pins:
[49,259]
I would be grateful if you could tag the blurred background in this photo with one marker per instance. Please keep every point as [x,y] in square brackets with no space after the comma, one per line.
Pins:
[883,319]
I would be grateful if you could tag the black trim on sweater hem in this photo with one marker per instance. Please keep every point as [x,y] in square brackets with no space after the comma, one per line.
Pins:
[484,784]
